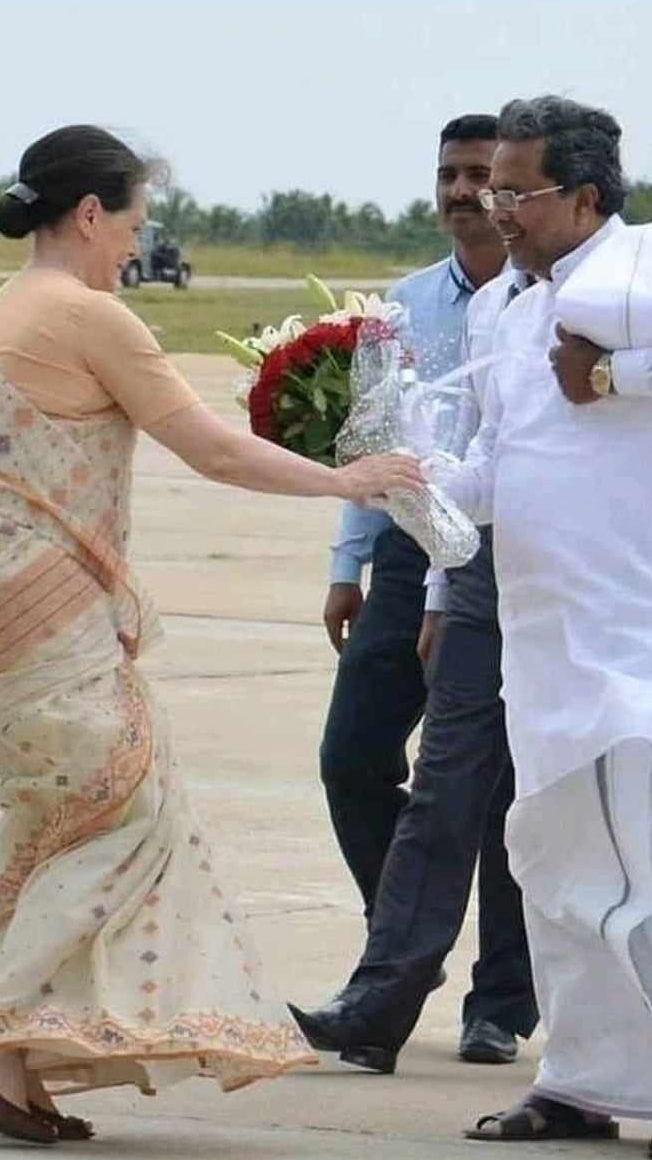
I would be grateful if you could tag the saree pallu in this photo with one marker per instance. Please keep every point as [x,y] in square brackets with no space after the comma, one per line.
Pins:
[120,958]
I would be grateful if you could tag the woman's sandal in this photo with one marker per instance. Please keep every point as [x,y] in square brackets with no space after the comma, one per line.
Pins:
[537,1118]
[18,1124]
[66,1127]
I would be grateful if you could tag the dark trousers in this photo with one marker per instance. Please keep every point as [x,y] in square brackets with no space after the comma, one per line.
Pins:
[463,786]
[377,702]
[414,857]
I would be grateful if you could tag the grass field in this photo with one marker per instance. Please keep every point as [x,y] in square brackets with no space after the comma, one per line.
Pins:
[187,321]
[288,262]
[12,254]
[256,262]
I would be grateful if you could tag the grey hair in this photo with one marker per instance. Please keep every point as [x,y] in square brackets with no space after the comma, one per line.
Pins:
[582,145]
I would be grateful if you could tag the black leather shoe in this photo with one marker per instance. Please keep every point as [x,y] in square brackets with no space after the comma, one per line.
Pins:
[369,1058]
[339,1027]
[359,1027]
[485,1042]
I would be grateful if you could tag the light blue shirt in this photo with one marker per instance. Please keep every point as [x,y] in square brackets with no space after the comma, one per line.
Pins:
[436,299]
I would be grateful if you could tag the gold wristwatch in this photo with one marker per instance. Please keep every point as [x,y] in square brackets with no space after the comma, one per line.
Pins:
[601,377]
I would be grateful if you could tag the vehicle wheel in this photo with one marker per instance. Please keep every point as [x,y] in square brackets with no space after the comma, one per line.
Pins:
[183,278]
[131,276]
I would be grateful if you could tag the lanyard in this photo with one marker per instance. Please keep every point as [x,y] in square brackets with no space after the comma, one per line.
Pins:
[464,287]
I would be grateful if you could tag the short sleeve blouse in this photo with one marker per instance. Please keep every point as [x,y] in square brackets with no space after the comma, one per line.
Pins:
[76,352]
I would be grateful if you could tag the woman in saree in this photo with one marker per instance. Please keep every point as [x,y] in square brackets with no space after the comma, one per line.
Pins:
[120,959]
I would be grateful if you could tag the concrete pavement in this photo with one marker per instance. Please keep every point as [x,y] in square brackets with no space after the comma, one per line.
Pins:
[245,672]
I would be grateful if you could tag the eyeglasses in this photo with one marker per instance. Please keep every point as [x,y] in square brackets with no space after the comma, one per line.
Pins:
[507,200]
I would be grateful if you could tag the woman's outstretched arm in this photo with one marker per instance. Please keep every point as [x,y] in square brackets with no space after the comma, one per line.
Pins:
[130,365]
[221,452]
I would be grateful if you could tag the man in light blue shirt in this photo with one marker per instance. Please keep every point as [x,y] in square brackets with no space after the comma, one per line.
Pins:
[379,697]
[379,693]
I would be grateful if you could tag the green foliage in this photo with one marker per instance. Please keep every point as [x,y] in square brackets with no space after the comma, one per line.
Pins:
[179,213]
[311,222]
[316,223]
[313,405]
[296,217]
[638,208]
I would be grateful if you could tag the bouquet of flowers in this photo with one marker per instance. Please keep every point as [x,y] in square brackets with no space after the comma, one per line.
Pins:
[335,390]
[297,390]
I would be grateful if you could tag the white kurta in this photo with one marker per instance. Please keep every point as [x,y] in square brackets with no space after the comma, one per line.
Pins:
[569,491]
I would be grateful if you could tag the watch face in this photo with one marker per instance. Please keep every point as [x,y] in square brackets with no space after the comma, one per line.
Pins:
[600,379]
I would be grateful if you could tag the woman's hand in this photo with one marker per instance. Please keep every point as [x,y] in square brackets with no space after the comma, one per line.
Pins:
[375,475]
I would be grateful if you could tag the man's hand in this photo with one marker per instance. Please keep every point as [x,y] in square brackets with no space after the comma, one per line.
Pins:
[572,361]
[431,626]
[343,604]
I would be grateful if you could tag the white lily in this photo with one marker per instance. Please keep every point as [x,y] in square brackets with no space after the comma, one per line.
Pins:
[354,303]
[291,327]
[375,307]
[359,305]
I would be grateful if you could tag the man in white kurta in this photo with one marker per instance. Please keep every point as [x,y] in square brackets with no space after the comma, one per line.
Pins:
[569,490]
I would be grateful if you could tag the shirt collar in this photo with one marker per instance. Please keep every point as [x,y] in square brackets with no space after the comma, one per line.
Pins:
[458,282]
[563,267]
[519,280]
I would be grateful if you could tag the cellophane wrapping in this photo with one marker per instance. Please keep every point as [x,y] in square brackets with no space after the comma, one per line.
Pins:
[376,424]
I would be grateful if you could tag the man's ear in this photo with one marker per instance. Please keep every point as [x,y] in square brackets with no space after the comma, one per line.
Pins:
[587,200]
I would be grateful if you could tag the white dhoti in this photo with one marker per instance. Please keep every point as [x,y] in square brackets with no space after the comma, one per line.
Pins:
[582,852]
[568,488]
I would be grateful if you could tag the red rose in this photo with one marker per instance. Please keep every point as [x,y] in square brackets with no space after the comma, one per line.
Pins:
[300,353]
[260,412]
[264,391]
[303,355]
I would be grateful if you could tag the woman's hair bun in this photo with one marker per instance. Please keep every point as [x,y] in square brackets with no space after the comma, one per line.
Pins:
[17,218]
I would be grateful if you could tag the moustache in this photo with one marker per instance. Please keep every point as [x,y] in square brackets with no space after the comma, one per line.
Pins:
[474,206]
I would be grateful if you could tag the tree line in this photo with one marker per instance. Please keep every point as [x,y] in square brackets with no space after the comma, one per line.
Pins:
[306,220]
[318,221]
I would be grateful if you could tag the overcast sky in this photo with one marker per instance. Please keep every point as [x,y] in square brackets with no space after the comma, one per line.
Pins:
[344,96]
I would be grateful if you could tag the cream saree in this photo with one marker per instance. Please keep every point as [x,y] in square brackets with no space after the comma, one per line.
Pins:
[120,959]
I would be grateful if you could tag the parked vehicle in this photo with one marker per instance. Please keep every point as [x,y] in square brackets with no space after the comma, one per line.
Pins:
[158,259]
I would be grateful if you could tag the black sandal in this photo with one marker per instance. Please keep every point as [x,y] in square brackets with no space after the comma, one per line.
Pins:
[66,1127]
[18,1124]
[537,1118]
